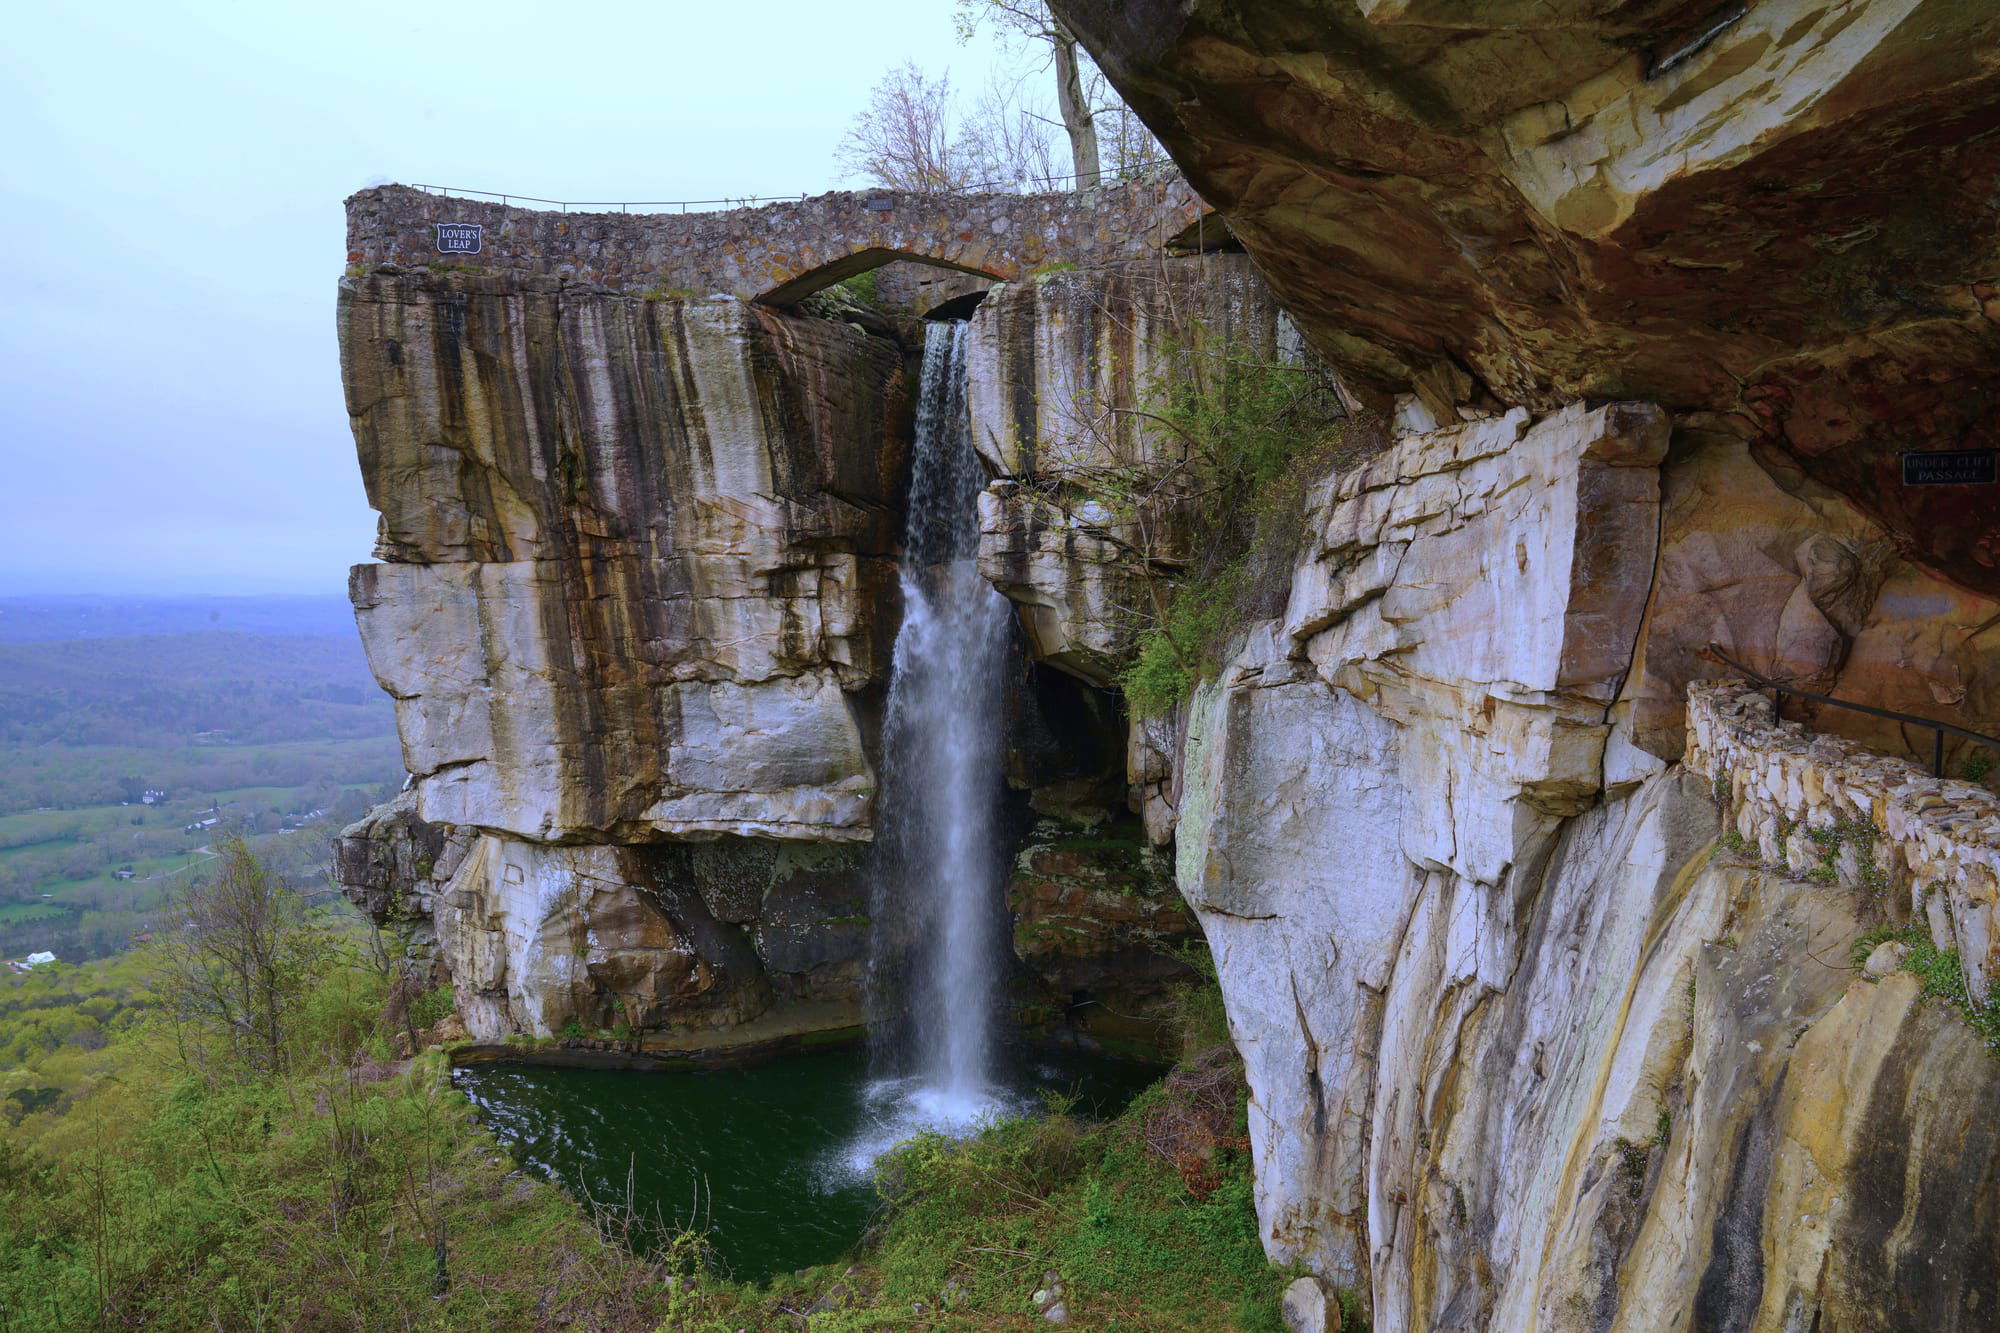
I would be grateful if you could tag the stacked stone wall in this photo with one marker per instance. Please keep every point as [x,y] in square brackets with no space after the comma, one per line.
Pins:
[1828,809]
[779,252]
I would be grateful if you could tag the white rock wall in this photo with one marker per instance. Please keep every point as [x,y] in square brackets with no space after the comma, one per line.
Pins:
[637,556]
[1384,766]
[1065,374]
[1521,1054]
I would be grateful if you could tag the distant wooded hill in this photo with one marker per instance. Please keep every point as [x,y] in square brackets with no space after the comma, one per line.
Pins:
[178,689]
[26,619]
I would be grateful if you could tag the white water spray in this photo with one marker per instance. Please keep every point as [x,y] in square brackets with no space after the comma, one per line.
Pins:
[941,744]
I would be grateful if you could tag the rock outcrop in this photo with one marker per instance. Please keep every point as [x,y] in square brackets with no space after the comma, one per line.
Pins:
[1775,213]
[634,612]
[1540,978]
[635,604]
[1530,1047]
[622,539]
[1066,376]
[1099,924]
[1521,1054]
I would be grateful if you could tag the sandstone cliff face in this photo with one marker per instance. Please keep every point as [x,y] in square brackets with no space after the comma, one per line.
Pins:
[635,605]
[1651,299]
[634,593]
[625,539]
[1065,376]
[1522,1055]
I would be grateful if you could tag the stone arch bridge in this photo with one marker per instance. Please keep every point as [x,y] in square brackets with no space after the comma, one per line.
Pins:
[781,252]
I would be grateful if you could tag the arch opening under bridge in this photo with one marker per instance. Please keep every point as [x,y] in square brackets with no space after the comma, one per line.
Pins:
[866,260]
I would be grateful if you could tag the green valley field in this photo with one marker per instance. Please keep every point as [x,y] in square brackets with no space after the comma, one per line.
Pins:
[123,756]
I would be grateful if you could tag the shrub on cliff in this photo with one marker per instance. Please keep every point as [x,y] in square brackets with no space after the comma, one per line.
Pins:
[1253,434]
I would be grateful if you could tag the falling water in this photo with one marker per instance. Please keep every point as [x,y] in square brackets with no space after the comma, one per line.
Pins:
[941,743]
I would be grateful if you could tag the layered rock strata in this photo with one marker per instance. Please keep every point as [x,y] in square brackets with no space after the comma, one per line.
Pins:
[636,556]
[633,553]
[687,937]
[1776,212]
[1522,1055]
[1067,376]
[1653,296]
[635,604]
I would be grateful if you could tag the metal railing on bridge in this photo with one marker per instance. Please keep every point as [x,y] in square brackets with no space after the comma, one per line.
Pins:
[1128,172]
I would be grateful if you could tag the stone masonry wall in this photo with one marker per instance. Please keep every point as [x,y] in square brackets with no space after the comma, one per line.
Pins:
[1827,808]
[779,252]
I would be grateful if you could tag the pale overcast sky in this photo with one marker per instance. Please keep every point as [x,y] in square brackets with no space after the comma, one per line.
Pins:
[171,229]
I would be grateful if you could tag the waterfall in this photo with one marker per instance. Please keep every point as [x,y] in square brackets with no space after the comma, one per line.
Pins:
[939,931]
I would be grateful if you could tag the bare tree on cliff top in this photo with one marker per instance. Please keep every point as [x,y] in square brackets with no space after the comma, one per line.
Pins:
[1031,19]
[1013,144]
[904,140]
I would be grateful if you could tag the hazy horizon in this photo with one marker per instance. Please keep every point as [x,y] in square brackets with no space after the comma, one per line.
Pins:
[170,405]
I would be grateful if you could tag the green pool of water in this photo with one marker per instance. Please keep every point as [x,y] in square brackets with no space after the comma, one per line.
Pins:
[773,1158]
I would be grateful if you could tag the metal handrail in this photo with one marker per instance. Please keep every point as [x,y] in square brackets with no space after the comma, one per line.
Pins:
[1778,688]
[754,200]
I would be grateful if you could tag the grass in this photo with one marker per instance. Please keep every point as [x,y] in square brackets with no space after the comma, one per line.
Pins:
[74,778]
[1147,1220]
[138,1191]
[33,828]
[15,913]
[317,1202]
[862,286]
[431,1007]
[1942,975]
[1187,643]
[74,855]
[142,1188]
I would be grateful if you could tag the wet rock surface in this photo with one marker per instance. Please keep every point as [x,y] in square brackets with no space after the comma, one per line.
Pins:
[1652,295]
[635,602]
[635,554]
[1522,1054]
[1099,925]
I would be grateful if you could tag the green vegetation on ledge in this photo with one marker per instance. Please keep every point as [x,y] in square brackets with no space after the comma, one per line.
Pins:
[1255,435]
[1942,975]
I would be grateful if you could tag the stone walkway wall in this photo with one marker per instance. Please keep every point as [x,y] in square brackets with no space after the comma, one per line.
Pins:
[780,252]
[1829,810]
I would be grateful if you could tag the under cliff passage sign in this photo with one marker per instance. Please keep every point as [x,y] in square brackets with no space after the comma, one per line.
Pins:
[1951,467]
[458,238]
